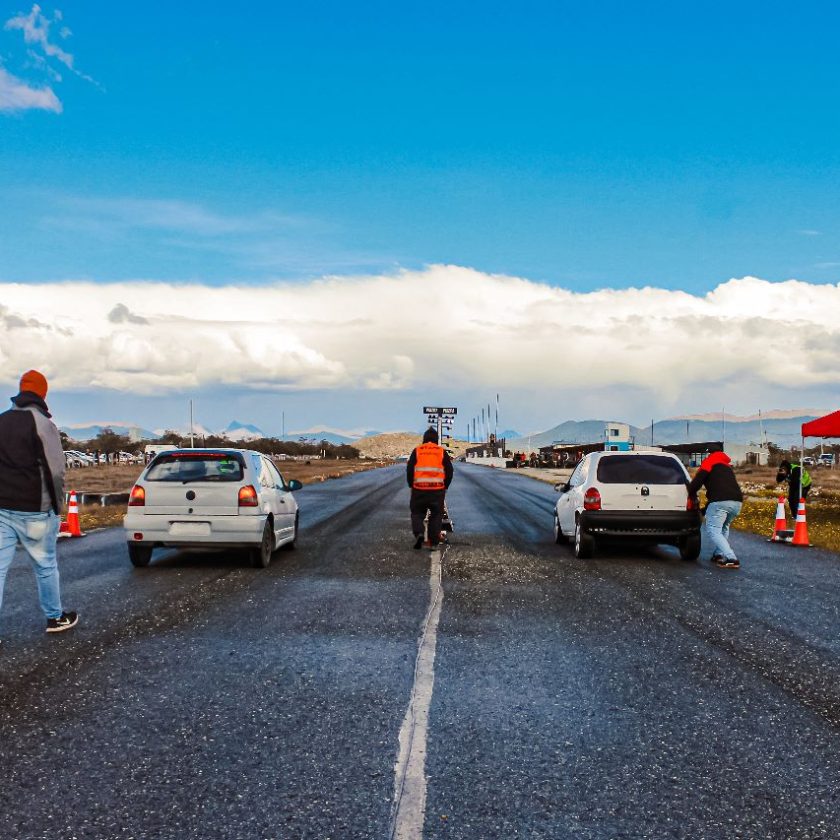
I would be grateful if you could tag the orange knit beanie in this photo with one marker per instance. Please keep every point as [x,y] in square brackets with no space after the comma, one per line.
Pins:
[35,382]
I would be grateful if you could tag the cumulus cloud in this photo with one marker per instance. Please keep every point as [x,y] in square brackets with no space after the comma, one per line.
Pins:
[121,314]
[444,325]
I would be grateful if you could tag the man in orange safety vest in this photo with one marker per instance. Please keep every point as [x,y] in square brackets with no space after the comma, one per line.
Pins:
[429,473]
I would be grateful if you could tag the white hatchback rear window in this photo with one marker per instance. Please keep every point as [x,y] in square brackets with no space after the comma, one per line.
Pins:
[640,469]
[204,467]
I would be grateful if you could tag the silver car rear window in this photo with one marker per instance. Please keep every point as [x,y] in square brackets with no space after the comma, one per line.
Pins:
[179,467]
[640,469]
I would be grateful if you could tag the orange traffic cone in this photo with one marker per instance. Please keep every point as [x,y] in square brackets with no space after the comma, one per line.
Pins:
[73,516]
[780,530]
[800,531]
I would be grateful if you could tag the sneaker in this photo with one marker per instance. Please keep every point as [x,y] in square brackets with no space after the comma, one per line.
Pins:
[418,543]
[716,558]
[64,622]
[727,562]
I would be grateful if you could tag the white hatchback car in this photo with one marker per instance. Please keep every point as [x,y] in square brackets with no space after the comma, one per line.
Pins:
[635,495]
[211,498]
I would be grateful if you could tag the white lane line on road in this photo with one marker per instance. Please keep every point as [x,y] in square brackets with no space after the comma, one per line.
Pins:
[408,811]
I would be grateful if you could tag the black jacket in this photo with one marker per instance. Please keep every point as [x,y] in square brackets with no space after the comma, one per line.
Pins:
[793,477]
[718,478]
[31,457]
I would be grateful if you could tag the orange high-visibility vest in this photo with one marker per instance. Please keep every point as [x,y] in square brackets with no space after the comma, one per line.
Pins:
[428,471]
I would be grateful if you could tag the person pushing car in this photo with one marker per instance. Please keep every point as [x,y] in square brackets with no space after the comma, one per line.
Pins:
[723,503]
[429,474]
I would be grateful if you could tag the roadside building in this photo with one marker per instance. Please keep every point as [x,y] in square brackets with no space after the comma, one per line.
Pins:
[617,438]
[692,454]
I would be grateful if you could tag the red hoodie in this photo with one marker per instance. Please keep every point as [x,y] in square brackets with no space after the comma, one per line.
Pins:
[716,475]
[715,458]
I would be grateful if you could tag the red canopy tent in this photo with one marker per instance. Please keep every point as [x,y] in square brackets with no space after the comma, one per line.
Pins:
[828,426]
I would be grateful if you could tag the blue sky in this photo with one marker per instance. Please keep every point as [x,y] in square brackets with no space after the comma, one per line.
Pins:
[581,147]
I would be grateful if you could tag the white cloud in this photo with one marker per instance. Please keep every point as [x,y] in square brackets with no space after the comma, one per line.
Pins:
[109,214]
[443,326]
[16,95]
[36,31]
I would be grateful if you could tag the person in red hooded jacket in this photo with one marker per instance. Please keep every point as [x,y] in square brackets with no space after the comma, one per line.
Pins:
[723,503]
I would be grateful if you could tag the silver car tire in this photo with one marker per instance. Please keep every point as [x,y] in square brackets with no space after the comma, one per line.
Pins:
[261,554]
[584,543]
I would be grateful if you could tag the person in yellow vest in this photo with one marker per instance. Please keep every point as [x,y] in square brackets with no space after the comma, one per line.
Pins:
[429,474]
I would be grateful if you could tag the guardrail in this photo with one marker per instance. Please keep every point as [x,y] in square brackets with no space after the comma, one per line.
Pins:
[102,499]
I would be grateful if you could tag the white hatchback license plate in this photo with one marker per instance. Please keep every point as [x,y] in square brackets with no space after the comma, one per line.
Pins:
[189,529]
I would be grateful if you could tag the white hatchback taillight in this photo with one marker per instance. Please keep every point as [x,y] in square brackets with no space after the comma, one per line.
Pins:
[137,496]
[691,503]
[248,496]
[592,499]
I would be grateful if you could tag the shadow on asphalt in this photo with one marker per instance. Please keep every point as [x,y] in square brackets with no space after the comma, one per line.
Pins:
[173,559]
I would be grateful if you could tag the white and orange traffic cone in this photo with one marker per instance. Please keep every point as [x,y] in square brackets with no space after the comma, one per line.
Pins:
[780,530]
[800,531]
[73,516]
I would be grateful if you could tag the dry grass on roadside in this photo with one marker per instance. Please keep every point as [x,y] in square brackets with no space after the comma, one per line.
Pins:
[761,493]
[119,478]
[758,516]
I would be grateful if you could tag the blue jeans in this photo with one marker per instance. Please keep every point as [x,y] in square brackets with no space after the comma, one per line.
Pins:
[38,534]
[719,516]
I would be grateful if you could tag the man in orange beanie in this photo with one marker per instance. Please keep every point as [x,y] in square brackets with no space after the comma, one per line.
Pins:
[31,494]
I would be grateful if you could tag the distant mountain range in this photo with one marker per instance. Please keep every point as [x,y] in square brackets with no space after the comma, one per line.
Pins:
[332,435]
[235,431]
[780,427]
[83,432]
[781,430]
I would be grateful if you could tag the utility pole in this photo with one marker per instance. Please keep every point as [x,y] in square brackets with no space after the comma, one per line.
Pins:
[192,440]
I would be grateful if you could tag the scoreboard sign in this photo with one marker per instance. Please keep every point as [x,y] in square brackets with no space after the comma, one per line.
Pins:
[438,411]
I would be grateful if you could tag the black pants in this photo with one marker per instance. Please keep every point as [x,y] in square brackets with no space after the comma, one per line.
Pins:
[427,500]
[794,497]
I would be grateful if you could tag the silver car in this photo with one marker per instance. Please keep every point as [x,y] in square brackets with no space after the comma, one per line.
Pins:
[211,498]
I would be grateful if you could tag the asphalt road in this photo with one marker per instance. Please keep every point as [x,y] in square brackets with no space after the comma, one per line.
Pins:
[629,696]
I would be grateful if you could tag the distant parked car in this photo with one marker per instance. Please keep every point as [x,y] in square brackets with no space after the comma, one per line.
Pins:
[211,498]
[808,461]
[636,496]
[826,459]
[130,458]
[74,458]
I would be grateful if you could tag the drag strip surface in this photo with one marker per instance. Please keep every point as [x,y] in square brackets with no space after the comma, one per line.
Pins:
[633,695]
